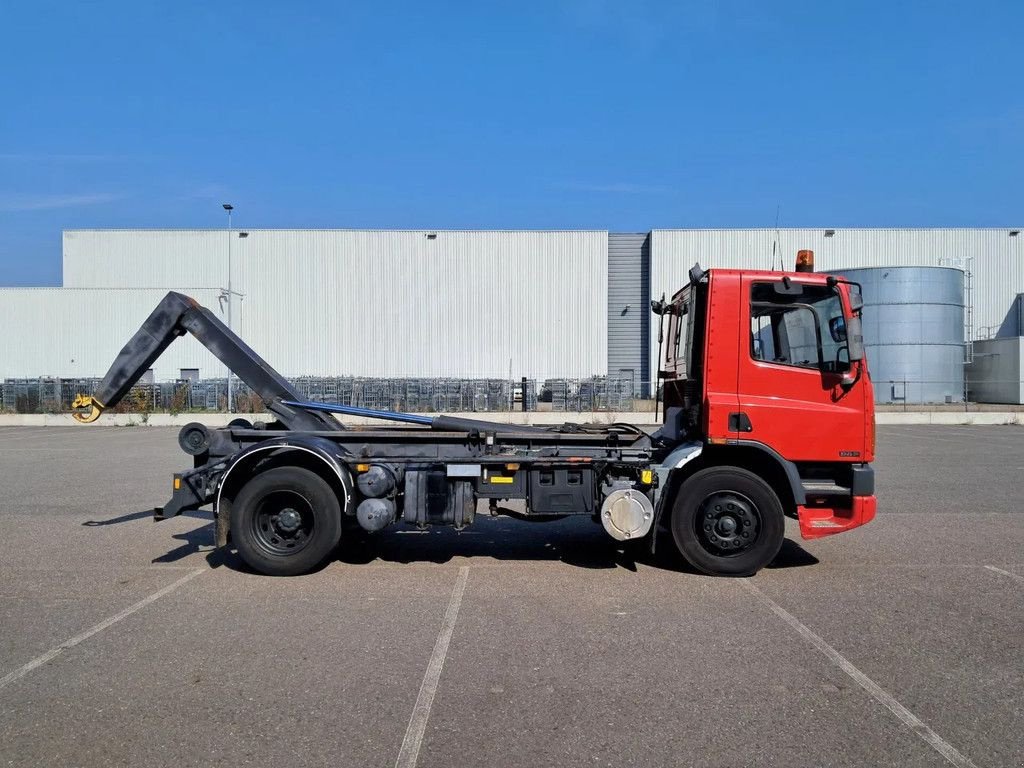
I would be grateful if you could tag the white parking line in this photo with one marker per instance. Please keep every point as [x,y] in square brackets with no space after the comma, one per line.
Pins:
[1016,576]
[53,653]
[410,750]
[884,698]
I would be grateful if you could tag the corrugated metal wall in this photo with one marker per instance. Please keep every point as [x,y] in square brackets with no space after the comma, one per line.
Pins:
[383,303]
[398,303]
[997,373]
[139,258]
[629,311]
[997,267]
[72,333]
[1013,323]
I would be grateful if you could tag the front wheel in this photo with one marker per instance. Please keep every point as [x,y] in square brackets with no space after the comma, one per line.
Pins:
[727,521]
[286,521]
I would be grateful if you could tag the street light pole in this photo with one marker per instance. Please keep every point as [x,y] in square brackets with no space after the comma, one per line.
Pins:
[229,208]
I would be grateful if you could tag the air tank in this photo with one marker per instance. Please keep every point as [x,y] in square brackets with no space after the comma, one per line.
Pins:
[913,332]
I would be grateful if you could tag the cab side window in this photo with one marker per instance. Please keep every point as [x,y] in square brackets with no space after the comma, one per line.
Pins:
[784,335]
[798,325]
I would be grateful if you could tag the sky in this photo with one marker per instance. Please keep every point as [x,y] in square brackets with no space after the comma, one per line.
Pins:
[535,114]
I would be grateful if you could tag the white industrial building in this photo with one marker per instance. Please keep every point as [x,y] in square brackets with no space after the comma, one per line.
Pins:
[472,304]
[337,302]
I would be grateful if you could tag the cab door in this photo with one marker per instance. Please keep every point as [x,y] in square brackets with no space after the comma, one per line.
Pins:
[791,372]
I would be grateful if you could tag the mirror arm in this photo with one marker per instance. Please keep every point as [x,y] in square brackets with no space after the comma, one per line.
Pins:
[850,379]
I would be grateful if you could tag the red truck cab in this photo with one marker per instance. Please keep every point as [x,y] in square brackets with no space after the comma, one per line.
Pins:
[766,370]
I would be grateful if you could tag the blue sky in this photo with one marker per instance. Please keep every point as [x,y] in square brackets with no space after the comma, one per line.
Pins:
[529,114]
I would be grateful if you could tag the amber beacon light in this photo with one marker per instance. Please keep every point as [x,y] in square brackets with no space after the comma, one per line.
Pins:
[805,261]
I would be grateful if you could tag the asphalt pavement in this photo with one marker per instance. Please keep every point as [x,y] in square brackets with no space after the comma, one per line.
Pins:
[125,642]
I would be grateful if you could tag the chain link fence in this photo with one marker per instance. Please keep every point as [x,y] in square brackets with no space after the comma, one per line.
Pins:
[417,395]
[958,394]
[450,395]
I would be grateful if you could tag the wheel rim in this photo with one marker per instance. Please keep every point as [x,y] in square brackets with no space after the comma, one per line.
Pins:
[283,523]
[727,523]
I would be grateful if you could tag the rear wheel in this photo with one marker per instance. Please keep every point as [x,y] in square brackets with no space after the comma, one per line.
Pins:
[727,521]
[286,521]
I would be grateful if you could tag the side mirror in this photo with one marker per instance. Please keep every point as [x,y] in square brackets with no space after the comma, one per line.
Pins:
[855,339]
[837,327]
[856,299]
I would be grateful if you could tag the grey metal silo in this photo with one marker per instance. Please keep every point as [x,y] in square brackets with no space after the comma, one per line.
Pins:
[913,332]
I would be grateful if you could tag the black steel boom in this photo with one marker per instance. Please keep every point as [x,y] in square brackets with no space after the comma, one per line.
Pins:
[174,316]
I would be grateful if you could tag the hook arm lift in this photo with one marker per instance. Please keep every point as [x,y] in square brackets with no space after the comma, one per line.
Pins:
[175,316]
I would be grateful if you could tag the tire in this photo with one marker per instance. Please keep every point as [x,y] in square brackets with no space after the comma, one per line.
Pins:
[727,521]
[286,521]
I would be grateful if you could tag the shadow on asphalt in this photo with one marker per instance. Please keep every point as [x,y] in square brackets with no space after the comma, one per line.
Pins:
[504,540]
[792,555]
[199,539]
[577,542]
[136,516]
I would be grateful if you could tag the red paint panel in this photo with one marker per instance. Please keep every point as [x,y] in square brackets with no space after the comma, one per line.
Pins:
[720,353]
[802,413]
[817,522]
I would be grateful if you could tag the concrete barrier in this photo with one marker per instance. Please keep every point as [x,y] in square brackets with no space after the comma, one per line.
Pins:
[976,418]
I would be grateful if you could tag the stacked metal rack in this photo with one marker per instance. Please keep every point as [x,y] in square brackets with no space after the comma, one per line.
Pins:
[71,388]
[598,393]
[208,394]
[438,395]
[21,395]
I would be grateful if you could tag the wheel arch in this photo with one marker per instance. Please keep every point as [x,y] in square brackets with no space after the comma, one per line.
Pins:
[781,475]
[322,457]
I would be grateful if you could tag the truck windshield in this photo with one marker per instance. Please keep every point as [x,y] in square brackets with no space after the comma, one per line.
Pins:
[798,325]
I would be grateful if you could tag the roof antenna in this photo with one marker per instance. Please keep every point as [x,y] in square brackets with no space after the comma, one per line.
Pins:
[775,242]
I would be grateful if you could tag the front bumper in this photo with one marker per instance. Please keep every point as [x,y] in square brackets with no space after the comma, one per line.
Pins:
[816,522]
